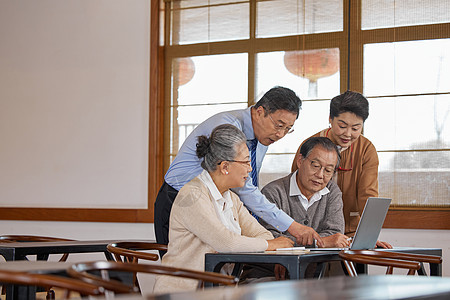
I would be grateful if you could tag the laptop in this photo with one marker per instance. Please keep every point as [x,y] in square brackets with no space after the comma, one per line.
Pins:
[369,226]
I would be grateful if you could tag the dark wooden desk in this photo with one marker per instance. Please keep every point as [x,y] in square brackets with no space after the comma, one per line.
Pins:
[363,287]
[38,267]
[19,251]
[296,263]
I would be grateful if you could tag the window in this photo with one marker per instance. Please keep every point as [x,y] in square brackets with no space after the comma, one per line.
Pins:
[394,52]
[408,84]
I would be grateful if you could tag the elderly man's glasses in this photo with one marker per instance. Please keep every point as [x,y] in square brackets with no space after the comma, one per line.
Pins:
[280,127]
[316,167]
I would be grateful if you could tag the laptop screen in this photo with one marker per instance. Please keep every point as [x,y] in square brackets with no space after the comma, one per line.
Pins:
[369,225]
[371,222]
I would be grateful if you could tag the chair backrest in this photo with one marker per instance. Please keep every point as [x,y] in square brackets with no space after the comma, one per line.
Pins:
[133,251]
[48,281]
[83,271]
[389,259]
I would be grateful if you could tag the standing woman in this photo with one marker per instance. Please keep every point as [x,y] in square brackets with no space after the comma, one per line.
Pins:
[357,175]
[207,217]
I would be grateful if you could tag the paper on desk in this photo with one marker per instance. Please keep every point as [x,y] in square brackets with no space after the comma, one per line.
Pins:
[291,249]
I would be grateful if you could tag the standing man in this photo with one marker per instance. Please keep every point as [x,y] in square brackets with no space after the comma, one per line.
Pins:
[270,119]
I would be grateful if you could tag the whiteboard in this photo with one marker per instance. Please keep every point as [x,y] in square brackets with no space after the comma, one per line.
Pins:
[74,93]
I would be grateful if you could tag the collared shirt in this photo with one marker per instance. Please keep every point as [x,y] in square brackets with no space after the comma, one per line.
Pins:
[294,190]
[222,203]
[186,166]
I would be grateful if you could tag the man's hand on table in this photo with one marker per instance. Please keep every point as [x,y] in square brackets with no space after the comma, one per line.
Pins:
[305,235]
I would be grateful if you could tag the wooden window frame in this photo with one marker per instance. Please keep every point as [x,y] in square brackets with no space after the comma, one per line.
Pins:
[350,42]
[397,217]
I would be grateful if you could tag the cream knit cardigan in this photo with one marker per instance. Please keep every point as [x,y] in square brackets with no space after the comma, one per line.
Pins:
[195,229]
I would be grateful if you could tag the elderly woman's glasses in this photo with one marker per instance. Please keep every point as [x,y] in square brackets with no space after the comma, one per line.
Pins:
[280,127]
[245,162]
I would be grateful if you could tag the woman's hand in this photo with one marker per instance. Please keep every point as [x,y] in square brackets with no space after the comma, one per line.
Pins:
[279,242]
[384,245]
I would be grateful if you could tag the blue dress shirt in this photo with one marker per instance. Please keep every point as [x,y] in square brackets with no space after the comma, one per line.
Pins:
[186,166]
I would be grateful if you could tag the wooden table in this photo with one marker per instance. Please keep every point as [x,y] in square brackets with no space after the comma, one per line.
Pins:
[297,262]
[38,267]
[363,287]
[18,251]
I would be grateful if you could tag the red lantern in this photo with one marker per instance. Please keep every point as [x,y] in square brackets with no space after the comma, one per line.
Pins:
[186,70]
[312,64]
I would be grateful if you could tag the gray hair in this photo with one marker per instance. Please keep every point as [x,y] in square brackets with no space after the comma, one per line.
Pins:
[220,146]
[325,142]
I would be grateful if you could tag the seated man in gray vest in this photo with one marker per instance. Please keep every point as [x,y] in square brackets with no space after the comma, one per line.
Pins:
[310,197]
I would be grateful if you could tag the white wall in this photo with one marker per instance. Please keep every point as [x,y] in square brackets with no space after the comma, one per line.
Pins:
[74,103]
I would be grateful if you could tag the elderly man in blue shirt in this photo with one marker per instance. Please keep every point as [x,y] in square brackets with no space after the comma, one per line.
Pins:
[269,120]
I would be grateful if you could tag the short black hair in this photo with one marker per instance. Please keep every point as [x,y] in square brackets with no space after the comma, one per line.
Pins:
[350,102]
[280,98]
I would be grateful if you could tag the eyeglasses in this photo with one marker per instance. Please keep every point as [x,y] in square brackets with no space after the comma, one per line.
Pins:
[279,127]
[316,167]
[245,162]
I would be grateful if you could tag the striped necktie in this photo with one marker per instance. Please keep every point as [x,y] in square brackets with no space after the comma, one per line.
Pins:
[254,173]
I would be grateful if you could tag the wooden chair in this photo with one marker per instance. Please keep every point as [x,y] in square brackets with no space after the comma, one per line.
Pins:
[389,259]
[84,271]
[131,252]
[51,281]
[34,238]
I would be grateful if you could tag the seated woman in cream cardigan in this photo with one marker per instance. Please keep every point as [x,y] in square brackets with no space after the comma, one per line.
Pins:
[207,217]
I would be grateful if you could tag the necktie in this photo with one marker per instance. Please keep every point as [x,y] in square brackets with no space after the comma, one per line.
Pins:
[254,173]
